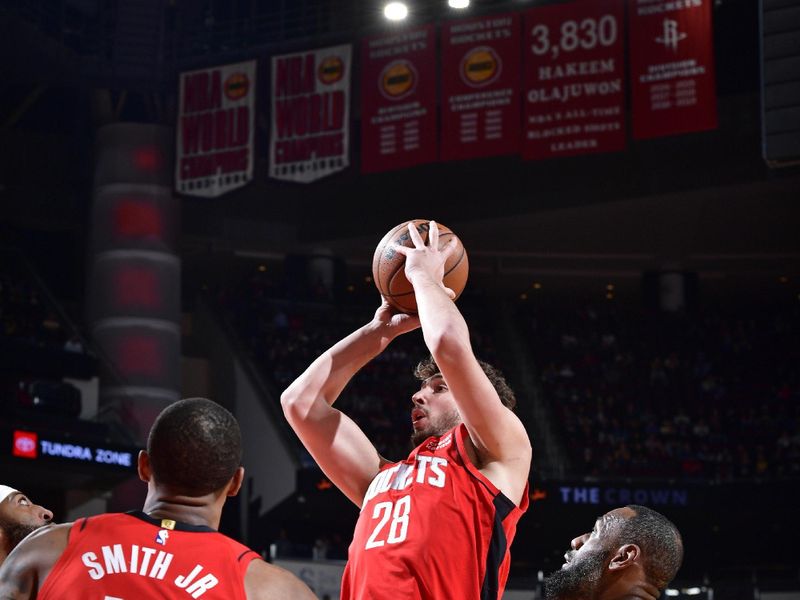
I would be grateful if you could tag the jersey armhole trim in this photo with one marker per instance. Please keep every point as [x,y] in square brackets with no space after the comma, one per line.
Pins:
[459,432]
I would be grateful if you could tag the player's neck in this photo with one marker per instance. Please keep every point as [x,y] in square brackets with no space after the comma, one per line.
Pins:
[202,510]
[6,545]
[626,590]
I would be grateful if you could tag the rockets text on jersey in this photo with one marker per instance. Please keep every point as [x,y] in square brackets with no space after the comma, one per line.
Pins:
[429,470]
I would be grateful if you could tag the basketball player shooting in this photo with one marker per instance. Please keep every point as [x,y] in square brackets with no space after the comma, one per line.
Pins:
[438,524]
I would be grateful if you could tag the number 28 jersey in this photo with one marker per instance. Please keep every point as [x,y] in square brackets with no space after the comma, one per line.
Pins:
[432,527]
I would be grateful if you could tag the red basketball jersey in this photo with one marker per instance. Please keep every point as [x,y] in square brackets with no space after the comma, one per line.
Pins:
[130,556]
[432,528]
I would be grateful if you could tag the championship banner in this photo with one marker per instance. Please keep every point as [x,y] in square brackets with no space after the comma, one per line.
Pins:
[398,100]
[672,67]
[574,79]
[480,87]
[216,121]
[310,123]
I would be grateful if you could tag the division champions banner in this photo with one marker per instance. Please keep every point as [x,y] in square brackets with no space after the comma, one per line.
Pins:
[480,87]
[672,67]
[398,100]
[215,129]
[310,122]
[574,79]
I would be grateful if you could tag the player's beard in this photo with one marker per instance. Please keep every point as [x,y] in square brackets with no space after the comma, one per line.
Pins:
[578,581]
[436,427]
[16,532]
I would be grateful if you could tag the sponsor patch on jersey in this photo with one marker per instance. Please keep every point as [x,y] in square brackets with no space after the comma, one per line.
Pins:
[439,443]
[167,524]
[162,536]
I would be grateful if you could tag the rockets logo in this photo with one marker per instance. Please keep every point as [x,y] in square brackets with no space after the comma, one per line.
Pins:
[330,70]
[162,536]
[237,86]
[398,79]
[480,66]
[671,35]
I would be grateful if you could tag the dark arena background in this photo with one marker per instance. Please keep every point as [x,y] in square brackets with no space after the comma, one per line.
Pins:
[192,192]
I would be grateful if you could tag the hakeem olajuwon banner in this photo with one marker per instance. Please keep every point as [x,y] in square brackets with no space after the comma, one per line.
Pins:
[216,118]
[310,114]
[574,79]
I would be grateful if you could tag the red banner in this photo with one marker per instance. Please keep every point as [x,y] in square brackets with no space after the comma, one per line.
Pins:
[216,123]
[398,100]
[672,67]
[480,87]
[310,132]
[574,79]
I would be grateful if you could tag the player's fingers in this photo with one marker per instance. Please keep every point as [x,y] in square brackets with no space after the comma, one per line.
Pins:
[401,249]
[450,293]
[410,322]
[433,235]
[415,237]
[449,248]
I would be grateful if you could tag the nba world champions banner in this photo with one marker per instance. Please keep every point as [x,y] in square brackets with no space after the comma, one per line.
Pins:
[310,123]
[216,117]
[480,87]
[574,83]
[398,100]
[672,67]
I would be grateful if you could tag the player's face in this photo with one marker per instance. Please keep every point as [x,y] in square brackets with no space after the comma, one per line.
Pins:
[434,410]
[19,516]
[585,562]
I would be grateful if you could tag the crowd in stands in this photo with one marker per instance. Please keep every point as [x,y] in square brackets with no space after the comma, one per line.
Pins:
[38,350]
[709,397]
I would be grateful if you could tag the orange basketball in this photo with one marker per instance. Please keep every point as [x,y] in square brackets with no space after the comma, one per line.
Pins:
[388,265]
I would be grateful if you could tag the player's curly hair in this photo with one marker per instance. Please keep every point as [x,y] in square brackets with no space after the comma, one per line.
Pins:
[195,446]
[428,368]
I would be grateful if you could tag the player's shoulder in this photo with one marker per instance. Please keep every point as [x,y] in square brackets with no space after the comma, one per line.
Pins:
[264,581]
[38,551]
[49,534]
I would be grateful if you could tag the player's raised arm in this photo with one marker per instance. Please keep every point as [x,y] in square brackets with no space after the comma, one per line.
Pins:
[338,445]
[496,432]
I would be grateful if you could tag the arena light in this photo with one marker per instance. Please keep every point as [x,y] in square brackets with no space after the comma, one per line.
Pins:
[395,11]
[671,592]
[458,3]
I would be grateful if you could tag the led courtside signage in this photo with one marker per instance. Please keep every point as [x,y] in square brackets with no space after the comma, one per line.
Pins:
[34,446]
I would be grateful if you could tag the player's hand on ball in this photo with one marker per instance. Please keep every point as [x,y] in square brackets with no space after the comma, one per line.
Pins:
[427,261]
[389,264]
[393,321]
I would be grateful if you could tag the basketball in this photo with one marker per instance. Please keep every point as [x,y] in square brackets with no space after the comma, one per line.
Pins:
[388,265]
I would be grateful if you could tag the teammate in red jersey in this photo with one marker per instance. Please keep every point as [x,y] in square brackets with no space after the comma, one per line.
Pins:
[632,552]
[18,517]
[440,523]
[171,549]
